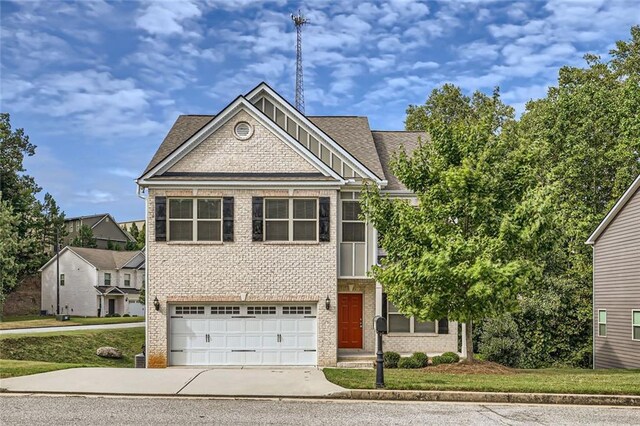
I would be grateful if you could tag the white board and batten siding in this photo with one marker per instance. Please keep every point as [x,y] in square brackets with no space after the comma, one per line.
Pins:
[616,288]
[243,334]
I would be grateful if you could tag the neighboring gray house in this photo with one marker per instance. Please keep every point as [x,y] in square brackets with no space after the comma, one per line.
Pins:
[104,229]
[616,284]
[94,282]
[256,252]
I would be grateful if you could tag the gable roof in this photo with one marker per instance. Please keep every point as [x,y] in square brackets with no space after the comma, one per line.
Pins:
[372,149]
[617,208]
[387,143]
[89,220]
[239,104]
[101,259]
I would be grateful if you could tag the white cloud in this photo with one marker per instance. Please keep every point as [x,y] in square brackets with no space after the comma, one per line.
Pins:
[167,17]
[95,196]
[122,172]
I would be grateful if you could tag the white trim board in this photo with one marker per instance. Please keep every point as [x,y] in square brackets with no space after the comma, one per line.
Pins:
[614,211]
[356,165]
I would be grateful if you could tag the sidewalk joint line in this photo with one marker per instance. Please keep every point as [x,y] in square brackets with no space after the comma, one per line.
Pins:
[189,382]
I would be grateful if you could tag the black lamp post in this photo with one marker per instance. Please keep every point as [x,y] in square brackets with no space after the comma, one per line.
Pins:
[380,324]
[57,272]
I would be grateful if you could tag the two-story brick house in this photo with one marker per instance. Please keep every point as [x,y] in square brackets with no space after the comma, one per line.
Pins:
[256,252]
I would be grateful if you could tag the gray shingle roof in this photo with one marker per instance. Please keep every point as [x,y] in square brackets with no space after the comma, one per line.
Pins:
[374,149]
[184,127]
[387,144]
[105,259]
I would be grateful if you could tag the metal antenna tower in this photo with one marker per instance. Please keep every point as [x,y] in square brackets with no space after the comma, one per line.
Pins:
[299,21]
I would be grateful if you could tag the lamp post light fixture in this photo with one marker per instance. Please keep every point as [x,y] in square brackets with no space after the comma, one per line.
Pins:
[327,303]
[156,303]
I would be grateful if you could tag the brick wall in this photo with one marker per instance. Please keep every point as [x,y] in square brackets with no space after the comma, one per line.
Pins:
[270,272]
[264,152]
[427,343]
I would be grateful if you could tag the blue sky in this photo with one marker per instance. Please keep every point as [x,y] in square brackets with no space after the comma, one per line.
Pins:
[97,84]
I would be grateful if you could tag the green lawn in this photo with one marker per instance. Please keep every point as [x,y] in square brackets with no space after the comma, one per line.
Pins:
[35,321]
[59,350]
[610,382]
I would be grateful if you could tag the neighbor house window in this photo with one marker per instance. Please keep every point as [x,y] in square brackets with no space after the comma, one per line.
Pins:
[107,278]
[61,279]
[398,323]
[602,323]
[195,219]
[290,219]
[635,324]
[127,280]
[353,249]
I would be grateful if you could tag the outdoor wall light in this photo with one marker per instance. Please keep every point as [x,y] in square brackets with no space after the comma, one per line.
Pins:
[156,303]
[327,303]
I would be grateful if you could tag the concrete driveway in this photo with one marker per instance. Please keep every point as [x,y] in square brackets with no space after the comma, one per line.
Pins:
[271,382]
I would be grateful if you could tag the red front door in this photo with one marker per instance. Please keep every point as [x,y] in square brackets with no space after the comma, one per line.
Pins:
[350,321]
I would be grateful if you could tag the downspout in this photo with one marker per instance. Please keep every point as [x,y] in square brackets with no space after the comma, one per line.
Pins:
[140,194]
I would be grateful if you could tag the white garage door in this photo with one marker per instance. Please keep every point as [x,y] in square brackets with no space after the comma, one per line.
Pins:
[136,308]
[233,334]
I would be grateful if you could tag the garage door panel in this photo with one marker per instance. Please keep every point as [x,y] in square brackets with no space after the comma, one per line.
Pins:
[267,338]
[190,326]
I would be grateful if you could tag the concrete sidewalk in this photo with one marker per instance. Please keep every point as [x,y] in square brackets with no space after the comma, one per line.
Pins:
[71,328]
[264,382]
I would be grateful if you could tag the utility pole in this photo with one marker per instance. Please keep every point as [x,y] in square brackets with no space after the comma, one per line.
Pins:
[57,271]
[299,20]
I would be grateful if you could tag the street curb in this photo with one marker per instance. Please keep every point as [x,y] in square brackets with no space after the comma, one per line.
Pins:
[396,395]
[489,397]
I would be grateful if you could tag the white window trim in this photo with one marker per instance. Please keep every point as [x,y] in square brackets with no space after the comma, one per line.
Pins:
[194,219]
[633,325]
[124,280]
[105,278]
[605,322]
[352,197]
[290,220]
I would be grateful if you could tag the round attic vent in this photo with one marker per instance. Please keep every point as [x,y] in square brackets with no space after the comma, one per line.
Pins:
[243,130]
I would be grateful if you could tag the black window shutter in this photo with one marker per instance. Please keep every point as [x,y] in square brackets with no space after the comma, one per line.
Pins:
[227,219]
[324,222]
[257,214]
[384,305]
[443,326]
[161,218]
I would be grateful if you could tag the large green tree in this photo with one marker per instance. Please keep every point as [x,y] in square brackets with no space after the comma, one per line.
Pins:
[32,221]
[457,253]
[85,238]
[583,143]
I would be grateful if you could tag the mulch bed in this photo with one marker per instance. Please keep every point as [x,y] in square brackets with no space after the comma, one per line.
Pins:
[477,367]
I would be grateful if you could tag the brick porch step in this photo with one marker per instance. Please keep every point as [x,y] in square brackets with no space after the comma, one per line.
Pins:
[362,363]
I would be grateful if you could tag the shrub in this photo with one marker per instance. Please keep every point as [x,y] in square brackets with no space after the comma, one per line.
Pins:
[108,316]
[126,315]
[421,359]
[442,359]
[116,315]
[391,359]
[408,362]
[500,341]
[452,355]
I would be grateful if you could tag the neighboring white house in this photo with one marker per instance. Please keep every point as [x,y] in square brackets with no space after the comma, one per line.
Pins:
[94,282]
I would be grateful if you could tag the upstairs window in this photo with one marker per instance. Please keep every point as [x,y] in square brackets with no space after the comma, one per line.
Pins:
[127,280]
[107,278]
[197,219]
[353,253]
[61,279]
[290,219]
[602,323]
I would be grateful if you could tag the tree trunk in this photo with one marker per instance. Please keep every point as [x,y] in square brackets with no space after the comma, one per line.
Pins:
[469,339]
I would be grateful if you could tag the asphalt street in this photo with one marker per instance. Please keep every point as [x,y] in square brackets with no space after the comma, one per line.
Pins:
[83,410]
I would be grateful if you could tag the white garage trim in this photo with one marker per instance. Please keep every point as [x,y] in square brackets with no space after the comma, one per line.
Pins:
[267,334]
